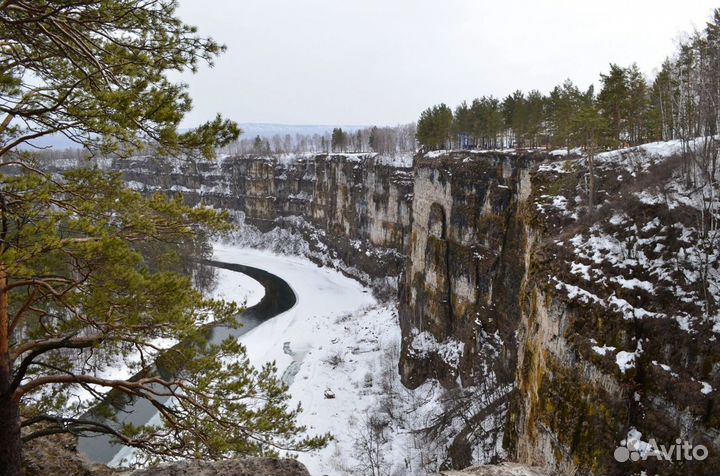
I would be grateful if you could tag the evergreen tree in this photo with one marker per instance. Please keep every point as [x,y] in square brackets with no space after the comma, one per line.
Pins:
[589,129]
[76,290]
[613,100]
[637,105]
[85,54]
[339,140]
[373,140]
[534,115]
[564,103]
[488,122]
[259,145]
[434,128]
[681,103]
[515,113]
[462,121]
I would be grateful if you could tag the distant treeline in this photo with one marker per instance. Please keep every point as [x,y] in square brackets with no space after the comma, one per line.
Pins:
[681,101]
[384,140]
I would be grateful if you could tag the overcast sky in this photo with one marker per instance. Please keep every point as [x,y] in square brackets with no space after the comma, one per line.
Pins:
[382,62]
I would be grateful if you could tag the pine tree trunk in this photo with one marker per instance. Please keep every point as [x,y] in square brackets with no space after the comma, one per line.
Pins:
[591,194]
[10,443]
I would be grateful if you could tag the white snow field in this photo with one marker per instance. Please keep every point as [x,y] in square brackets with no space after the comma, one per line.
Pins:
[237,287]
[336,341]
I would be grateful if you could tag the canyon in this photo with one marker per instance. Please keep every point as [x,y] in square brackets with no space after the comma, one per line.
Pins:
[562,325]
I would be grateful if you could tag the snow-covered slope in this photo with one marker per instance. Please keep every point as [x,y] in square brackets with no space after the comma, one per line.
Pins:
[337,349]
[620,333]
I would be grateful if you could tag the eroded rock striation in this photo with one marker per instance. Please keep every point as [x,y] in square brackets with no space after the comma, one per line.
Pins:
[353,210]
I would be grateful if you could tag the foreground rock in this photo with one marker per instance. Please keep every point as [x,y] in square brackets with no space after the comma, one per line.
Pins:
[502,469]
[58,455]
[235,467]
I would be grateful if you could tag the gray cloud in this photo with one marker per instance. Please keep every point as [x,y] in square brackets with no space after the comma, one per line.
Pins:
[383,61]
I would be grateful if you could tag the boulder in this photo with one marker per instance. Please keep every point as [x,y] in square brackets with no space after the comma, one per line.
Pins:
[502,469]
[233,467]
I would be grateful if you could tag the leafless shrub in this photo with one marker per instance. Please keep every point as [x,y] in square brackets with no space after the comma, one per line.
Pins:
[335,359]
[369,446]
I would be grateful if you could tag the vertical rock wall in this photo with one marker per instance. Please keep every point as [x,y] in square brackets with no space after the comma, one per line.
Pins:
[464,269]
[459,309]
[352,209]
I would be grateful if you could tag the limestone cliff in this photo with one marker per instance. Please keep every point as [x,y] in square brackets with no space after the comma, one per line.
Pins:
[458,298]
[574,330]
[352,209]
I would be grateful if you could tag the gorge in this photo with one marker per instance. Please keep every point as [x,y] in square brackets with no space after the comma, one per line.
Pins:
[490,261]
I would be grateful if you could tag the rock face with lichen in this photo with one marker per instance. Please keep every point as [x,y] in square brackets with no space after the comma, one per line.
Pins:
[459,311]
[618,338]
[458,306]
[353,210]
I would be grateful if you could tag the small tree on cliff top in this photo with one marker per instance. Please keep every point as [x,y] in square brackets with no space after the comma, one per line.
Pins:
[435,127]
[75,291]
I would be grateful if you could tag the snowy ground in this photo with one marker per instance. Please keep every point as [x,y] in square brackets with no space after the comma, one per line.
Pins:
[237,287]
[337,340]
[314,334]
[322,294]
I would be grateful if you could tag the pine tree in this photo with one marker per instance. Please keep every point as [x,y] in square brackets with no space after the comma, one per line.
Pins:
[338,140]
[535,105]
[637,105]
[76,290]
[589,129]
[259,145]
[373,140]
[434,128]
[613,100]
[462,122]
[564,103]
[488,121]
[515,116]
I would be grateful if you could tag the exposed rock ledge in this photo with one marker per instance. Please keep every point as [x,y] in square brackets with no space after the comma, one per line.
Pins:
[58,455]
[234,467]
[502,469]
